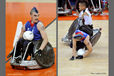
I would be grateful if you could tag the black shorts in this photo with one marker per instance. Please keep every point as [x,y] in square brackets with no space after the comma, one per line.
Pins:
[87,29]
[91,26]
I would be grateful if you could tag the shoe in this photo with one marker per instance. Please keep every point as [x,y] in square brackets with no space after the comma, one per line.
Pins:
[72,58]
[79,57]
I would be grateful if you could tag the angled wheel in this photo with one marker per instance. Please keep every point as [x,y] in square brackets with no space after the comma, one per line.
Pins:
[47,58]
[94,39]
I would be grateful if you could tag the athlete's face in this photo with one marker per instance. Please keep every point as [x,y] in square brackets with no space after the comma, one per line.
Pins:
[34,17]
[81,6]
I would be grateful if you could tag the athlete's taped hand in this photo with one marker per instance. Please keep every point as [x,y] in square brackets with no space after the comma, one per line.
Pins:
[72,58]
[39,52]
[79,57]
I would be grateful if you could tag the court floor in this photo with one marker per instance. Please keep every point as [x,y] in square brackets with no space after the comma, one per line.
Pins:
[96,64]
[51,33]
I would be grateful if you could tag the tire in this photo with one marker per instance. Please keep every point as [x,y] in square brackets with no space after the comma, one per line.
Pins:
[47,58]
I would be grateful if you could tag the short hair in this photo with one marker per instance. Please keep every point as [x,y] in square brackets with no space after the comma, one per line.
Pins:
[34,9]
[83,2]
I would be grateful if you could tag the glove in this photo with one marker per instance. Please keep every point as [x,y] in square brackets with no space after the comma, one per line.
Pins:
[39,52]
[72,58]
[79,57]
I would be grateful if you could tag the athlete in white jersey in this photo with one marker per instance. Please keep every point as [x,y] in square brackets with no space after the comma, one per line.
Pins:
[87,17]
[84,20]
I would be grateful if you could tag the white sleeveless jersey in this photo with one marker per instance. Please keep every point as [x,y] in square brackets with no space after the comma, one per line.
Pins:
[87,19]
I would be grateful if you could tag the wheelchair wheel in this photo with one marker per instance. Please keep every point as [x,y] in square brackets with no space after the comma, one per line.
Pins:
[47,58]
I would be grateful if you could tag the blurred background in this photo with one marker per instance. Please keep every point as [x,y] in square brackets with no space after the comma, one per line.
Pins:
[69,8]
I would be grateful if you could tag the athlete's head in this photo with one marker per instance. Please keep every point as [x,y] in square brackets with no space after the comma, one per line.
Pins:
[82,5]
[34,14]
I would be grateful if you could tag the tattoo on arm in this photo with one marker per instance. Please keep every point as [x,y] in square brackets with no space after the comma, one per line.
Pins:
[42,28]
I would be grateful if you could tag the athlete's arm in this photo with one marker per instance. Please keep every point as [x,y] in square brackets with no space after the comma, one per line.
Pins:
[85,14]
[88,45]
[41,28]
[74,46]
